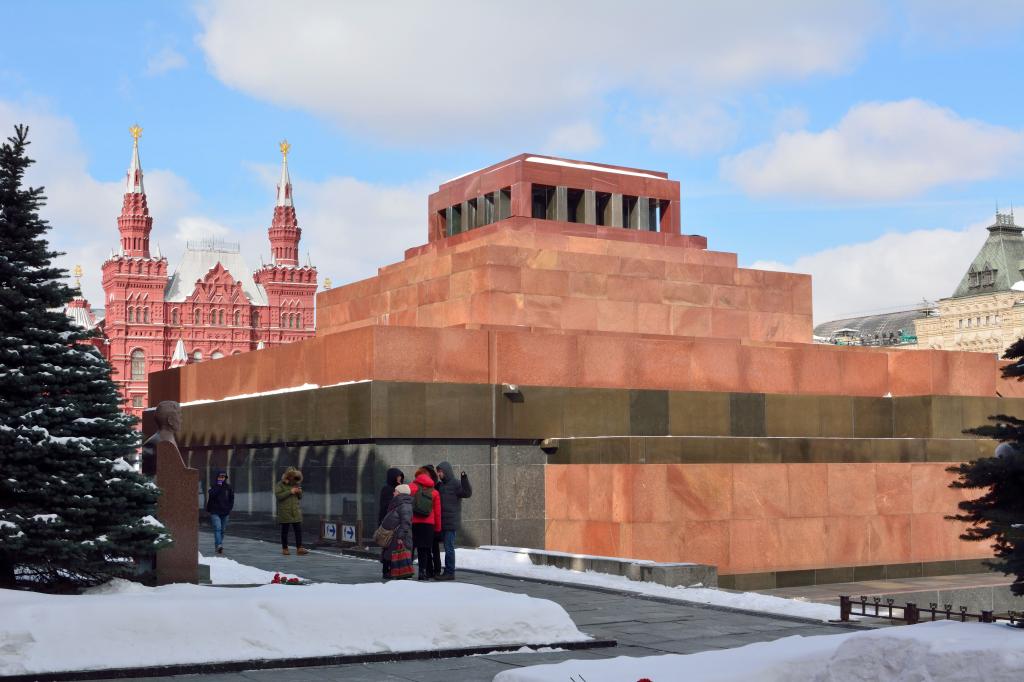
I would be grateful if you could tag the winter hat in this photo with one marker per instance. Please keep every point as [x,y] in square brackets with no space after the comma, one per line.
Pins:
[403,489]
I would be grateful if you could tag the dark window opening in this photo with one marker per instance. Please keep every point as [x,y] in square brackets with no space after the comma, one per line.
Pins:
[653,219]
[663,211]
[630,214]
[488,208]
[544,202]
[603,201]
[471,215]
[456,226]
[442,220]
[575,202]
[505,203]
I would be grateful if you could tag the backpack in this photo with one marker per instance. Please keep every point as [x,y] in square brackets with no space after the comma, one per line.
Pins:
[423,501]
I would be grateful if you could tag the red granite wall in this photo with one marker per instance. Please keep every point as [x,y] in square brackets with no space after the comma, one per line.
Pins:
[756,518]
[599,360]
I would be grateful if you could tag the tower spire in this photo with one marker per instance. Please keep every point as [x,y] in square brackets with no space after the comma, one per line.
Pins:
[284,187]
[135,223]
[284,230]
[134,184]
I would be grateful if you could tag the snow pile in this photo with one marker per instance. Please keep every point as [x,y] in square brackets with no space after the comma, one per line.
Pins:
[224,571]
[938,652]
[518,564]
[127,625]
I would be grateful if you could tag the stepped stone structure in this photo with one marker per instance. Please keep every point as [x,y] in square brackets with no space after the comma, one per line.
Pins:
[612,387]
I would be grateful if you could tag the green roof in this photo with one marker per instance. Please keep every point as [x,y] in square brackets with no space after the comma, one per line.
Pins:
[997,267]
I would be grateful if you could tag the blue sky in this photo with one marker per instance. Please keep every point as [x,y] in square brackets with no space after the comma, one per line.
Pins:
[864,143]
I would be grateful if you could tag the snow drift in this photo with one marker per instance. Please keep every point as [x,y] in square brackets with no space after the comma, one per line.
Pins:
[124,624]
[944,651]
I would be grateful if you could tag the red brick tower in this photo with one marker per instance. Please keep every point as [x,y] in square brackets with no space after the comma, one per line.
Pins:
[284,230]
[133,284]
[290,288]
[135,223]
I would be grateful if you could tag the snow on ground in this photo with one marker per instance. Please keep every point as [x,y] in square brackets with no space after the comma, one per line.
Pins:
[124,624]
[224,571]
[518,564]
[937,652]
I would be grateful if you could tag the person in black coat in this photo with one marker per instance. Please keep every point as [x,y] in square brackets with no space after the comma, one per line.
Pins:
[220,500]
[453,491]
[394,477]
[435,548]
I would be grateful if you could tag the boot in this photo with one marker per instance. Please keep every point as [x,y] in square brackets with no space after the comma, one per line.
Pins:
[220,549]
[301,551]
[284,550]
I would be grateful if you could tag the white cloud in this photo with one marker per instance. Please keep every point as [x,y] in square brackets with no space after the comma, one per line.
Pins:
[878,151]
[692,130]
[352,227]
[165,60]
[574,138]
[195,227]
[442,71]
[81,209]
[896,269]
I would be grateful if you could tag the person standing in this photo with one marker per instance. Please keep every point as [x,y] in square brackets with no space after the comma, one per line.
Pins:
[452,492]
[220,500]
[288,493]
[435,546]
[398,517]
[394,478]
[426,520]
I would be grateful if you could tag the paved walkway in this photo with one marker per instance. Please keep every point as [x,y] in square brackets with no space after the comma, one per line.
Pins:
[642,626]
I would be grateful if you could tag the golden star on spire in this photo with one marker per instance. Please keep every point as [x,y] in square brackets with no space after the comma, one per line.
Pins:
[284,146]
[136,131]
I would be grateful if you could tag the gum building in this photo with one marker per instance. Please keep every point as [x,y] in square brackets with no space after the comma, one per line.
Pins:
[612,387]
[986,311]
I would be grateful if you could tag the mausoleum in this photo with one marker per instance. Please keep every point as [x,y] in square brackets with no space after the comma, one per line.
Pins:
[612,387]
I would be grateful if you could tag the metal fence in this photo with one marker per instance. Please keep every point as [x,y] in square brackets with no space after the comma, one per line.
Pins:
[910,613]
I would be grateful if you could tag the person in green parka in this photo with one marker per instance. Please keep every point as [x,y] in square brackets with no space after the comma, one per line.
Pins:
[288,493]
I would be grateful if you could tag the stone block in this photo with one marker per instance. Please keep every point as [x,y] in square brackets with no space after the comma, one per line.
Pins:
[681,575]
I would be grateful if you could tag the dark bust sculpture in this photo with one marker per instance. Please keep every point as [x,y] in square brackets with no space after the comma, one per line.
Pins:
[168,421]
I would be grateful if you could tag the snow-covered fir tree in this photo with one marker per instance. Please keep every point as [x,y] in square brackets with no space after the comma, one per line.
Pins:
[998,515]
[72,510]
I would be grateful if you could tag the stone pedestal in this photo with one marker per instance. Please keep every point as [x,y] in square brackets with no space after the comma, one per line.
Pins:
[177,510]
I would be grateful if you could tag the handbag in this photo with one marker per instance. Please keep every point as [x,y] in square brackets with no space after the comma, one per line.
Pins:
[401,562]
[382,536]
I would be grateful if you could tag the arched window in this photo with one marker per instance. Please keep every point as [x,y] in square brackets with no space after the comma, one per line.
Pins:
[174,316]
[145,315]
[216,354]
[199,317]
[291,321]
[298,320]
[138,365]
[131,314]
[255,318]
[238,318]
[220,317]
[284,320]
[197,356]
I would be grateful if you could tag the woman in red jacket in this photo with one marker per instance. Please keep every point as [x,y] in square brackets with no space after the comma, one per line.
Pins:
[426,520]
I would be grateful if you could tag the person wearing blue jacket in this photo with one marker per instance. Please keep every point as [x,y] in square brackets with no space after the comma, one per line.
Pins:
[220,500]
